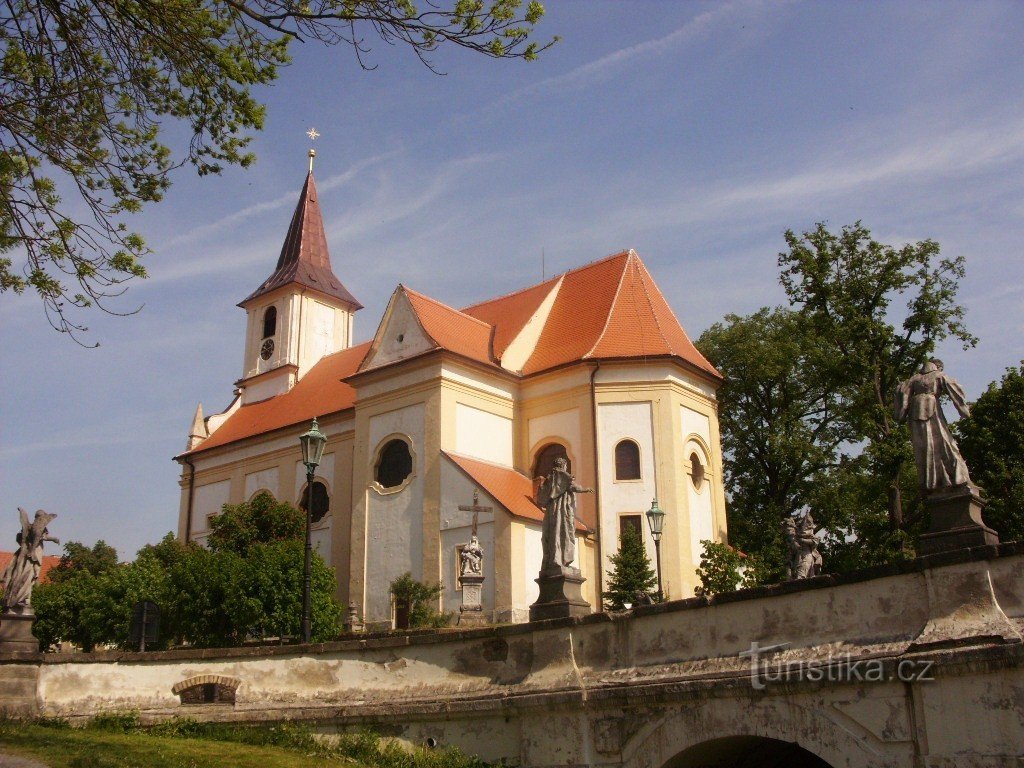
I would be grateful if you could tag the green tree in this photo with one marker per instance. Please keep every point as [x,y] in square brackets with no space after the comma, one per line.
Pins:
[90,88]
[420,599]
[723,569]
[849,286]
[260,520]
[77,557]
[779,414]
[631,573]
[992,444]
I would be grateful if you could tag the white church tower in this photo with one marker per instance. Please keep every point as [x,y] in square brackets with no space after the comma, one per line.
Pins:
[299,314]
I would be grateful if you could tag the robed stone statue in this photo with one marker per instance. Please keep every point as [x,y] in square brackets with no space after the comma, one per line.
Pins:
[804,558]
[22,573]
[558,536]
[939,463]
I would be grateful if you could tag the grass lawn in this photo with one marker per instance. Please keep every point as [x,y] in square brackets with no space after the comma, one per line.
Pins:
[91,748]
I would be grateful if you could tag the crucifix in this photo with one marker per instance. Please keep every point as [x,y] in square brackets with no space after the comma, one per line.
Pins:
[471,568]
[476,509]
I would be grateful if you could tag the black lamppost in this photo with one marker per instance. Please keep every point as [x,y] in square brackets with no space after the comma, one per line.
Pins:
[313,443]
[656,519]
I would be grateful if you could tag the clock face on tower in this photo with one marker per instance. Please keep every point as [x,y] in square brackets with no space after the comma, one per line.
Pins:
[267,349]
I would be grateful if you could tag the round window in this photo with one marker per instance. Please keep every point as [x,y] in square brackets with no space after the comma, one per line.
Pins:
[394,464]
[696,471]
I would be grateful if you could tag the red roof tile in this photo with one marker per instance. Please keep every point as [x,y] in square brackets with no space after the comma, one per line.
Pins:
[509,314]
[513,490]
[49,561]
[304,256]
[319,393]
[451,329]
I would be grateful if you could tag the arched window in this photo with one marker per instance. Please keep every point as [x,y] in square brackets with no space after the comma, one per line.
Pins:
[546,459]
[696,471]
[321,501]
[627,460]
[394,464]
[269,322]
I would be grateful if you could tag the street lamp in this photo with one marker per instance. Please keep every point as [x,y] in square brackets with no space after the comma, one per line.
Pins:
[656,519]
[312,443]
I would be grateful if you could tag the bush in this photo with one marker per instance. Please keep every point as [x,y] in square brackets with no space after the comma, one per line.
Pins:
[420,599]
[723,569]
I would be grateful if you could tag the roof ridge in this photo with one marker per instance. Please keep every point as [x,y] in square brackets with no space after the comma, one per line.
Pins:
[611,307]
[654,312]
[440,303]
[580,268]
[513,293]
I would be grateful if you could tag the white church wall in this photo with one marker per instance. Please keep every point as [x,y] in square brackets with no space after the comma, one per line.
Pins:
[623,374]
[265,479]
[695,423]
[207,501]
[394,518]
[561,426]
[533,554]
[483,435]
[621,421]
[472,378]
[400,336]
[320,539]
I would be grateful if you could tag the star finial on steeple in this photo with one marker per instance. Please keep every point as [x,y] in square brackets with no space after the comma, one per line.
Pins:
[313,134]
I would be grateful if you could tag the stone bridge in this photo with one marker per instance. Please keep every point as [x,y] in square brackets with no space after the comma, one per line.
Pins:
[919,664]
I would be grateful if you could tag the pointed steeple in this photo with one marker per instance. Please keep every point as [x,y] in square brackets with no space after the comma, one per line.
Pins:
[198,433]
[304,258]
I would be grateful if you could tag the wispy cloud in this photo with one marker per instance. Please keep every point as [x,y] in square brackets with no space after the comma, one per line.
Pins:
[694,30]
[288,198]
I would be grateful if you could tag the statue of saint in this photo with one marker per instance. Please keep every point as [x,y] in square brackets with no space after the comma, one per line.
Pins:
[804,558]
[939,463]
[22,573]
[471,558]
[558,536]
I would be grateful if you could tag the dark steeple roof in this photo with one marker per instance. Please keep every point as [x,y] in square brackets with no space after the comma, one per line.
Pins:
[304,257]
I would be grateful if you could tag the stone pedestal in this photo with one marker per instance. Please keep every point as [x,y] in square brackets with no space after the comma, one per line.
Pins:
[471,612]
[956,521]
[16,633]
[560,595]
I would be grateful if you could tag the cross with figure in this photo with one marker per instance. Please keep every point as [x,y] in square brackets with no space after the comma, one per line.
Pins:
[471,555]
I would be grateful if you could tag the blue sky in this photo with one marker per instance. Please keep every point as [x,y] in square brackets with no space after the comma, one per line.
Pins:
[695,133]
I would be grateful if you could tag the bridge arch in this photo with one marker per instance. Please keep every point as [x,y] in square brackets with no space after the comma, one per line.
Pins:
[746,752]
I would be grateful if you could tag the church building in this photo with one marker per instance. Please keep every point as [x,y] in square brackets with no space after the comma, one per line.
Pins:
[444,405]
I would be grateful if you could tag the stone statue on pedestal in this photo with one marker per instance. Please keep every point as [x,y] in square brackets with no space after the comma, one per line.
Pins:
[471,558]
[558,536]
[471,580]
[804,558]
[953,501]
[939,463]
[18,579]
[22,573]
[560,583]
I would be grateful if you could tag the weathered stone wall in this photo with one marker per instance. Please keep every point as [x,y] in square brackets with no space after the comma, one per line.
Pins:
[641,689]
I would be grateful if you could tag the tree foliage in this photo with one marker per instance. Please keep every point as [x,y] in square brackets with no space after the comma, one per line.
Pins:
[631,575]
[723,569]
[90,88]
[247,586]
[806,409]
[421,601]
[78,557]
[992,444]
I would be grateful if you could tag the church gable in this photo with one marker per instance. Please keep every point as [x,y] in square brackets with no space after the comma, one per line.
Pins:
[400,334]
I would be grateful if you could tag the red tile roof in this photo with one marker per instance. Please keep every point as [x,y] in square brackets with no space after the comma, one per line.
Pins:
[513,490]
[304,256]
[509,314]
[49,561]
[608,309]
[451,329]
[318,393]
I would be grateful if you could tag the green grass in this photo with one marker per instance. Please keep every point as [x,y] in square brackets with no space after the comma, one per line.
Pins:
[117,741]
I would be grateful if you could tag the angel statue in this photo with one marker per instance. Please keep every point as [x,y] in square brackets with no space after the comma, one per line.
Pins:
[22,572]
[939,463]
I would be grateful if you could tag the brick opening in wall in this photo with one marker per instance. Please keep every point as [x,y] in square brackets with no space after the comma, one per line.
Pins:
[207,689]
